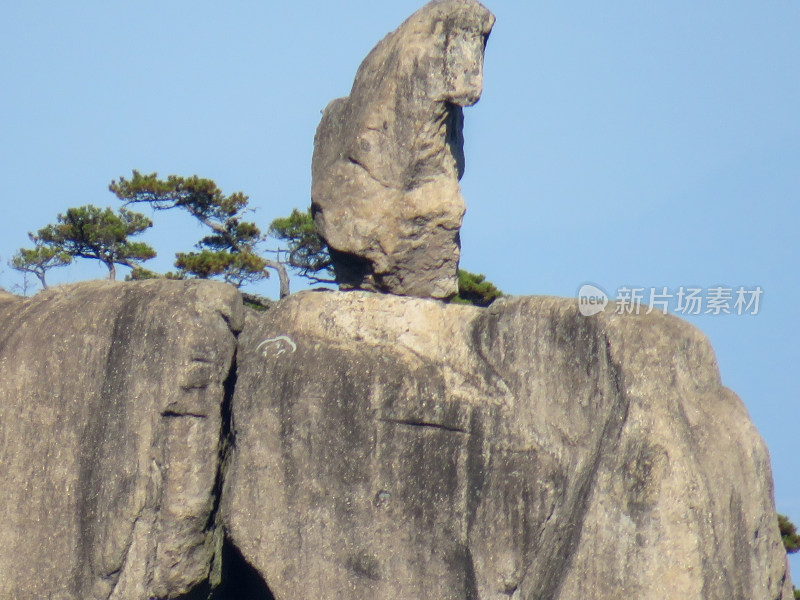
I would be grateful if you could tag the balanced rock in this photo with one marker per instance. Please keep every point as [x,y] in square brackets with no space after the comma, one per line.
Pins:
[388,157]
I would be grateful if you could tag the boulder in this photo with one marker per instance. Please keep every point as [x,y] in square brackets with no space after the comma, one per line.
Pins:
[388,157]
[111,420]
[393,447]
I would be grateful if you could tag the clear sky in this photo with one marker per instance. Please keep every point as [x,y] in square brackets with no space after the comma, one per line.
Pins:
[622,143]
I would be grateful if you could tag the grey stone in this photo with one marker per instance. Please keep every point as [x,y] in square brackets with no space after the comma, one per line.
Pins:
[110,421]
[7,297]
[393,447]
[388,157]
[364,446]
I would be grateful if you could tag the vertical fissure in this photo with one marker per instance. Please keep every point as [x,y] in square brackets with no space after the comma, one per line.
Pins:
[227,440]
[240,580]
[232,577]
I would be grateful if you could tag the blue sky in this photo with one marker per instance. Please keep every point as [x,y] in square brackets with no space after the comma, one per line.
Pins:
[620,143]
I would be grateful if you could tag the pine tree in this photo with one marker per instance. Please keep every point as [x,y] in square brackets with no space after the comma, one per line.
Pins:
[230,251]
[39,259]
[306,250]
[100,234]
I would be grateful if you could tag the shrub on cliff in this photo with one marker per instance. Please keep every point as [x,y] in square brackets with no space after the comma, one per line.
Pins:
[474,289]
[789,535]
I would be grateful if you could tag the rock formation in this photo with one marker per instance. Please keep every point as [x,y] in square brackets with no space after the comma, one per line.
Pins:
[401,448]
[159,441]
[365,446]
[110,438]
[387,158]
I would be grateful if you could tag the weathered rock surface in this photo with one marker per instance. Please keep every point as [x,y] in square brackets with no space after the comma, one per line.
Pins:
[401,448]
[6,297]
[387,158]
[365,446]
[110,421]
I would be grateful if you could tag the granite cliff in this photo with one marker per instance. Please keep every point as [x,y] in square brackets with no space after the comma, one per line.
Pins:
[159,442]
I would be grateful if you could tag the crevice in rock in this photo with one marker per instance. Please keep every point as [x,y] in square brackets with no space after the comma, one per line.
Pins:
[384,184]
[227,440]
[171,414]
[412,423]
[240,580]
[198,592]
[358,163]
[470,582]
[228,320]
[203,360]
[236,578]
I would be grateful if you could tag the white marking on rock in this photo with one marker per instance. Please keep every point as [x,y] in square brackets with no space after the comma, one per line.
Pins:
[281,343]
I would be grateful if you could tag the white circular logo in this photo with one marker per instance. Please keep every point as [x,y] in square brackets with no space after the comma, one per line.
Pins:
[591,300]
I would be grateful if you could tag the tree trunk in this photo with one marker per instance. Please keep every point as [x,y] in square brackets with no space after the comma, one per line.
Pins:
[112,271]
[283,277]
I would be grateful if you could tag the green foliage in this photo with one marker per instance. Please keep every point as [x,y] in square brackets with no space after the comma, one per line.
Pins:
[141,274]
[308,254]
[39,259]
[256,302]
[791,540]
[474,289]
[229,252]
[789,535]
[201,197]
[307,251]
[100,234]
[235,267]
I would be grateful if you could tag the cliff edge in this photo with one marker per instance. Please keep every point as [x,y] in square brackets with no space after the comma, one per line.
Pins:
[157,444]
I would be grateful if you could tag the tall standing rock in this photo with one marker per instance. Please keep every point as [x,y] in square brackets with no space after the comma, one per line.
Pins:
[387,158]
